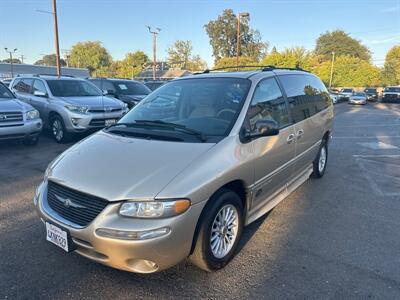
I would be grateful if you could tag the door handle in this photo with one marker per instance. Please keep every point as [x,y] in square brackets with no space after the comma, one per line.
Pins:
[290,138]
[300,133]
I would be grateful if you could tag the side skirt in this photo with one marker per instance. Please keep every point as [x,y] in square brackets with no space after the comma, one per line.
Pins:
[277,197]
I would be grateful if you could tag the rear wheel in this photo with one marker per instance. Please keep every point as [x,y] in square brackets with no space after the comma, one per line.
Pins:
[219,232]
[319,165]
[58,130]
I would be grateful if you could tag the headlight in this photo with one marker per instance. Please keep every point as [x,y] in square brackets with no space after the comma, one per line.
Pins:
[154,209]
[77,109]
[32,114]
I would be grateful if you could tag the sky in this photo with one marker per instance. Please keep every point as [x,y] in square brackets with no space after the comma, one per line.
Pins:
[120,24]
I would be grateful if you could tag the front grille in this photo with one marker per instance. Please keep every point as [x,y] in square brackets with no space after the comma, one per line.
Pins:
[98,122]
[10,116]
[102,110]
[74,206]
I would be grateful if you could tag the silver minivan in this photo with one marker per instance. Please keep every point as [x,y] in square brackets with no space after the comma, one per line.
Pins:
[192,164]
[68,105]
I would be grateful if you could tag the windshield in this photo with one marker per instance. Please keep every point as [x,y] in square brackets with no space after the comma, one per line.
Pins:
[206,105]
[370,90]
[73,88]
[359,94]
[5,93]
[131,88]
[392,89]
[347,90]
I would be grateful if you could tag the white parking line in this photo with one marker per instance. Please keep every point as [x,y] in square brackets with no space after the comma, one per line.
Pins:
[377,155]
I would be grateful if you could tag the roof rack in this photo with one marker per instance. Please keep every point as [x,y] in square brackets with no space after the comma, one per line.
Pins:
[263,68]
[38,75]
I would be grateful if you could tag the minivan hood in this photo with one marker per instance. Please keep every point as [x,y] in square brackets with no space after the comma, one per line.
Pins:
[92,101]
[119,168]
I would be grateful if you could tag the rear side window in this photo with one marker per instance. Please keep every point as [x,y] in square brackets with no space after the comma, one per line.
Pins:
[268,104]
[306,94]
[23,85]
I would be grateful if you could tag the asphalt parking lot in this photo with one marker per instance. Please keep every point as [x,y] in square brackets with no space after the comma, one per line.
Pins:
[337,237]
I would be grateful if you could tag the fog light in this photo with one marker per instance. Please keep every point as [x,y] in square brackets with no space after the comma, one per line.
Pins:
[132,235]
[74,121]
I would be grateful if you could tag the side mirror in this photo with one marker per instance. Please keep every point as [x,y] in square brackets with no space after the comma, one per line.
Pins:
[262,128]
[40,94]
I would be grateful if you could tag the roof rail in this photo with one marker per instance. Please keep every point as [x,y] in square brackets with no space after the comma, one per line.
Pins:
[263,68]
[43,74]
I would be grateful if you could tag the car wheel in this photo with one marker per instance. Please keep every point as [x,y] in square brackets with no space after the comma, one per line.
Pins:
[320,162]
[31,141]
[58,130]
[219,232]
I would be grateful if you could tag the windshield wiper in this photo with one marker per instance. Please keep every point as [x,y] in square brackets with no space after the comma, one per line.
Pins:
[174,126]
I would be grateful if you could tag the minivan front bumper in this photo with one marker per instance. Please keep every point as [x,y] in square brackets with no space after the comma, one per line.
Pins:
[141,256]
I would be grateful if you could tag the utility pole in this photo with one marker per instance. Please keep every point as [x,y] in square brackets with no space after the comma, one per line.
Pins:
[55,25]
[244,14]
[154,33]
[22,57]
[56,38]
[331,77]
[11,59]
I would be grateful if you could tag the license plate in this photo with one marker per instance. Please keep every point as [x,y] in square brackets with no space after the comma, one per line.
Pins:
[110,122]
[57,236]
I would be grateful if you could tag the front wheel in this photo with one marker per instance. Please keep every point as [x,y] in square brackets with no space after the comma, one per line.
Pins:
[220,231]
[319,164]
[58,130]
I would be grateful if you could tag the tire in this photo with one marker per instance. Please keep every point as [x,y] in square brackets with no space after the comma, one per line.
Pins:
[58,131]
[208,257]
[31,141]
[320,162]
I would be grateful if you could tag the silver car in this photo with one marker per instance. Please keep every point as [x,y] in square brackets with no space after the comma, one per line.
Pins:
[358,98]
[192,164]
[18,120]
[68,105]
[345,93]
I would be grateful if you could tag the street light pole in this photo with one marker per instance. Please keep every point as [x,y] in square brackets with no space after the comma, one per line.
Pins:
[56,38]
[11,59]
[331,77]
[245,14]
[154,33]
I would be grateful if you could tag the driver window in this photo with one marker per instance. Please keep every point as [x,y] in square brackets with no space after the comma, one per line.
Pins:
[268,104]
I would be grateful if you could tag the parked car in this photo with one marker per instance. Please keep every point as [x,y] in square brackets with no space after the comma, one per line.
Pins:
[6,81]
[68,105]
[358,98]
[334,97]
[18,120]
[391,94]
[185,185]
[346,93]
[154,84]
[129,91]
[372,94]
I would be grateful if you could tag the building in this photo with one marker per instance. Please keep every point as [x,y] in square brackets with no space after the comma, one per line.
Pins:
[5,70]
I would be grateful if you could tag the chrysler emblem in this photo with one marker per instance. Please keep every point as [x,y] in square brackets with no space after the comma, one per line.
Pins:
[3,117]
[68,202]
[108,109]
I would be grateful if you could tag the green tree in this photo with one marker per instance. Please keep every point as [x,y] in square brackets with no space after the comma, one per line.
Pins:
[90,55]
[180,56]
[231,62]
[131,65]
[391,69]
[49,60]
[14,61]
[291,58]
[349,71]
[341,43]
[222,33]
